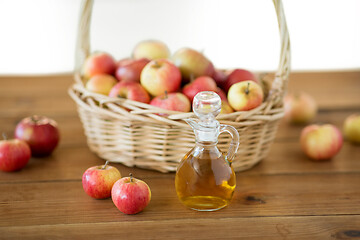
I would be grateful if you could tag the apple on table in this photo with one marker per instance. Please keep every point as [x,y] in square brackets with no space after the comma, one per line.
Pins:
[41,133]
[98,181]
[351,128]
[14,154]
[321,142]
[130,195]
[300,108]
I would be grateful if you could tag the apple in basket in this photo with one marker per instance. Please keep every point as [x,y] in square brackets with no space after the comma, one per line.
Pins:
[203,83]
[172,101]
[98,63]
[98,181]
[225,106]
[14,154]
[245,95]
[40,133]
[352,128]
[130,195]
[159,76]
[151,49]
[220,77]
[192,63]
[321,142]
[299,107]
[238,75]
[101,84]
[130,90]
[130,70]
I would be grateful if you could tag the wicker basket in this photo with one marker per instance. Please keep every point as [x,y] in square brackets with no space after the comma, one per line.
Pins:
[131,133]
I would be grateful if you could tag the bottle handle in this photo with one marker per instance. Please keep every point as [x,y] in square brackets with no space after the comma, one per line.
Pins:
[234,144]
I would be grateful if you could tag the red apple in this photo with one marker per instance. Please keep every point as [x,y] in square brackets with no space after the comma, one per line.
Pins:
[172,101]
[130,195]
[130,90]
[98,181]
[220,77]
[192,64]
[352,128]
[41,133]
[200,84]
[159,76]
[99,63]
[101,83]
[124,62]
[14,154]
[221,94]
[299,108]
[130,71]
[151,49]
[238,75]
[321,142]
[245,95]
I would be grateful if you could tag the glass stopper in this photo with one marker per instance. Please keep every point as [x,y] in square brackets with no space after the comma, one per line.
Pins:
[206,105]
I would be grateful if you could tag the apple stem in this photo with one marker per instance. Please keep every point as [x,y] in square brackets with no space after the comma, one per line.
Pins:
[247,90]
[106,163]
[192,78]
[156,64]
[166,94]
[131,177]
[4,136]
[34,118]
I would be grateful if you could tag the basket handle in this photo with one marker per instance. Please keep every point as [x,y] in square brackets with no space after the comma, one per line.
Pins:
[281,78]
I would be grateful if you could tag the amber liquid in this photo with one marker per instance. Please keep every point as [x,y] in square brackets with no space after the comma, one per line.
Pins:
[204,180]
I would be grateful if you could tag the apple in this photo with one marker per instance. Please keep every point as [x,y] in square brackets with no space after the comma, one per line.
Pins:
[321,142]
[14,154]
[130,71]
[159,76]
[130,90]
[98,63]
[124,62]
[203,83]
[220,77]
[221,94]
[40,132]
[299,108]
[192,64]
[352,128]
[101,83]
[172,101]
[151,49]
[238,75]
[130,195]
[226,108]
[98,181]
[245,95]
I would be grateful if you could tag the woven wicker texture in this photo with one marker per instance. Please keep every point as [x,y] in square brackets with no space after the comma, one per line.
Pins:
[132,133]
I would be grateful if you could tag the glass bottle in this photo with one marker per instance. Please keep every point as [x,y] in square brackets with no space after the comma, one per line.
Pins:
[205,179]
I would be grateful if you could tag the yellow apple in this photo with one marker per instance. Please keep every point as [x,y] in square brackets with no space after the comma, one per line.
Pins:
[245,95]
[300,108]
[352,128]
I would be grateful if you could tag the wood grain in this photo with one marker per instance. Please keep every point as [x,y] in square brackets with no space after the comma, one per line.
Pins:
[285,196]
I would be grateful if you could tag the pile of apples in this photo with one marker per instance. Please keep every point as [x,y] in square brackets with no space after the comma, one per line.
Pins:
[153,76]
[36,136]
[319,141]
[130,195]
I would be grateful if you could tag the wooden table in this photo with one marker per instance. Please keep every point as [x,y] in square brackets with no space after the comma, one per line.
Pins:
[286,196]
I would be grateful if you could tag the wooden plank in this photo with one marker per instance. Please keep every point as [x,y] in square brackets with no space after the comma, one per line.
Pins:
[308,227]
[65,202]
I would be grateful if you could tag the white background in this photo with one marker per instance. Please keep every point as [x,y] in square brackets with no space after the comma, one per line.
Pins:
[38,36]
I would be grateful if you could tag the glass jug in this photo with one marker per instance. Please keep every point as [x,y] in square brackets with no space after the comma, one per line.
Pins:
[205,179]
